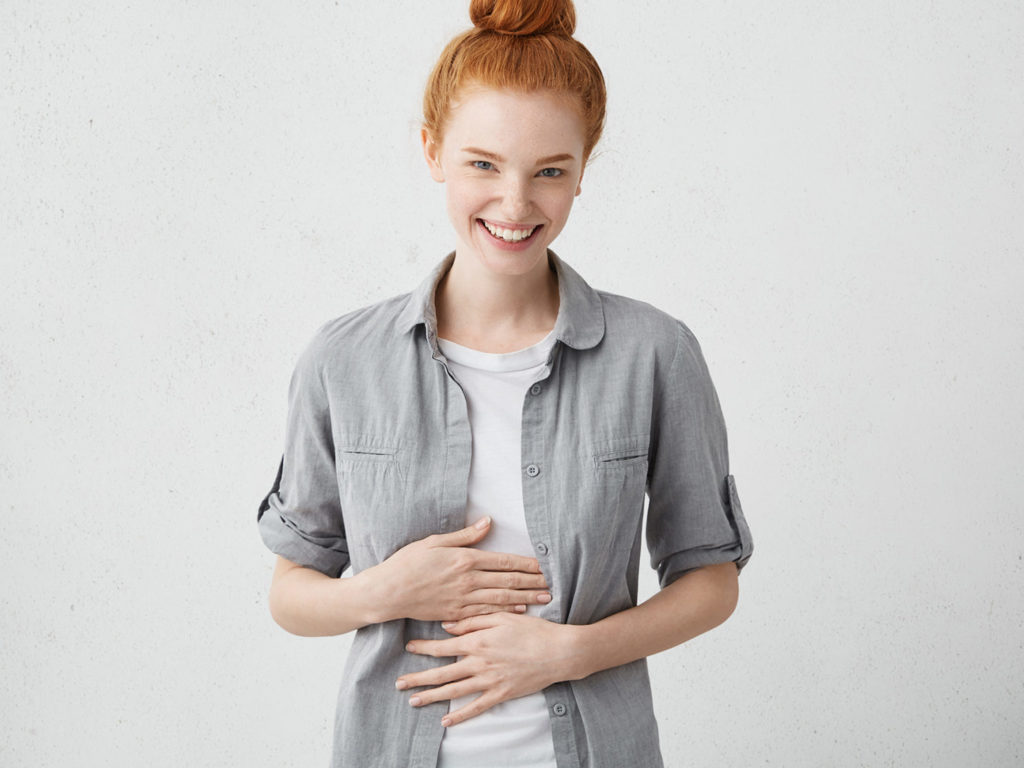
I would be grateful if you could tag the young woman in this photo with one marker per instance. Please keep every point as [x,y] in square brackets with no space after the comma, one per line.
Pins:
[478,451]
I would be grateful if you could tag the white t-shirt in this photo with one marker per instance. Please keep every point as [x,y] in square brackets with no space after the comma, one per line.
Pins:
[514,733]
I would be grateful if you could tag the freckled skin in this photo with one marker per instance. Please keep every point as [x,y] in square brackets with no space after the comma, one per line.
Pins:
[517,191]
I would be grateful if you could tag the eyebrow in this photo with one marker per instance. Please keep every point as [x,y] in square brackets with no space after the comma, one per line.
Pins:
[500,159]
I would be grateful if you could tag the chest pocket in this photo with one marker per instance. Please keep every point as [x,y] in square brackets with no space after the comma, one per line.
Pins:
[619,474]
[622,460]
[370,459]
[371,482]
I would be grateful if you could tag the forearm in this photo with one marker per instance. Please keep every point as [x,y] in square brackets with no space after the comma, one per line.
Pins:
[691,605]
[440,577]
[306,602]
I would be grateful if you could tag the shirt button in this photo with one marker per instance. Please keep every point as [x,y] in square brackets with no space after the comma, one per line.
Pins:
[542,548]
[559,709]
[535,389]
[533,470]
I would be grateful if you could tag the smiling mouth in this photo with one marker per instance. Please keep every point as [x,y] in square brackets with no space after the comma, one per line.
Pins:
[510,235]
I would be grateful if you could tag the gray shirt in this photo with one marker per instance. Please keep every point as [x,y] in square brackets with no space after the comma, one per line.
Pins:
[377,455]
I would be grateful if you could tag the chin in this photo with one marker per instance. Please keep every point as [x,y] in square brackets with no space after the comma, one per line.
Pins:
[513,263]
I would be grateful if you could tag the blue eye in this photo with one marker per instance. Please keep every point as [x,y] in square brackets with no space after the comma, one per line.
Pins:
[483,165]
[555,173]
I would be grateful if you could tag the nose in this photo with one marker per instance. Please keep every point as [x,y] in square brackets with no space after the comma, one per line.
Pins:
[515,204]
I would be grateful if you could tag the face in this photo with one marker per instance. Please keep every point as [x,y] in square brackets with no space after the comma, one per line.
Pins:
[511,163]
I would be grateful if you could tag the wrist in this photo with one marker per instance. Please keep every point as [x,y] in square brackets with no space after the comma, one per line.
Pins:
[375,596]
[580,647]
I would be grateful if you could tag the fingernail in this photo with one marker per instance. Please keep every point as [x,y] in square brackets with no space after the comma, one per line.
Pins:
[447,624]
[408,646]
[482,523]
[415,701]
[401,685]
[544,597]
[446,721]
[520,608]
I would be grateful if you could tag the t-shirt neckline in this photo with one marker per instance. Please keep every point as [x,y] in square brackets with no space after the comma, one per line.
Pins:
[500,362]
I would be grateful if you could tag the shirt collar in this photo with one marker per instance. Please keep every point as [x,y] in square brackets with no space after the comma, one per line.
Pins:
[580,322]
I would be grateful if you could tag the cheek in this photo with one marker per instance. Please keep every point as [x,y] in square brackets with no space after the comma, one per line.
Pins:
[559,205]
[462,203]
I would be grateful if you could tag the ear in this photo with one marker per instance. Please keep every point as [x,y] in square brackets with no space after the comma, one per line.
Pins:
[432,153]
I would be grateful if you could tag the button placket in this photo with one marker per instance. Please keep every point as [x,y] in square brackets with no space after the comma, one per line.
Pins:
[533,449]
[460,443]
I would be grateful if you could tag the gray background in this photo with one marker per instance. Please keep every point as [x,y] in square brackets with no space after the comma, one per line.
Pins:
[829,194]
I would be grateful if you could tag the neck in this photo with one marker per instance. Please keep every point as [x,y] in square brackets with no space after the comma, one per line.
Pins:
[480,308]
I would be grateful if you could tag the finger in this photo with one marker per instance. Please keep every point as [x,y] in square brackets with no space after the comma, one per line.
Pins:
[457,670]
[471,624]
[445,692]
[471,534]
[510,596]
[509,580]
[453,646]
[506,561]
[482,608]
[480,704]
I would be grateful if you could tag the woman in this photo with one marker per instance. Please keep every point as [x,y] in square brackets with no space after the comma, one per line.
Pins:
[478,451]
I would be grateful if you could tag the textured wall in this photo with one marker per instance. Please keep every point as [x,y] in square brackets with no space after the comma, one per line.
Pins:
[829,194]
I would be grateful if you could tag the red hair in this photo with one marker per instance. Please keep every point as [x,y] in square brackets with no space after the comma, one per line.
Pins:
[521,45]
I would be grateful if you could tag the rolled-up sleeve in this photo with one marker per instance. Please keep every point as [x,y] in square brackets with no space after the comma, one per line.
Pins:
[694,515]
[300,519]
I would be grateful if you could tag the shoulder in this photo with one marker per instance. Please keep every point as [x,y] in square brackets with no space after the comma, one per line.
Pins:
[643,326]
[659,348]
[367,328]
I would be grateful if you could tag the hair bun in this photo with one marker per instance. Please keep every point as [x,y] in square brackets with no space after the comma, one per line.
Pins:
[524,17]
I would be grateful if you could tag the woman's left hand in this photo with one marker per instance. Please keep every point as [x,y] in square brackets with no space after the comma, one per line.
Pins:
[505,656]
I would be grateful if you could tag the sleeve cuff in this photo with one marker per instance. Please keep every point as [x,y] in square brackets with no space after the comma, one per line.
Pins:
[330,557]
[737,551]
[674,566]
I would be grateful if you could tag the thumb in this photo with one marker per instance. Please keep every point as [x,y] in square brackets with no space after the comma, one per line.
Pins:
[471,534]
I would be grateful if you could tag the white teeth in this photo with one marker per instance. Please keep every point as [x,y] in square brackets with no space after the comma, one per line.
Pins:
[509,235]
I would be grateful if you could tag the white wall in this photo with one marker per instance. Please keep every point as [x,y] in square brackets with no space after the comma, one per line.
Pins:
[829,194]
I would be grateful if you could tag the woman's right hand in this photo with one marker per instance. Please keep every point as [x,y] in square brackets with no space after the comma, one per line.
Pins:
[443,578]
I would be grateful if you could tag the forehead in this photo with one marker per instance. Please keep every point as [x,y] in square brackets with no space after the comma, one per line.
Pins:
[493,118]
